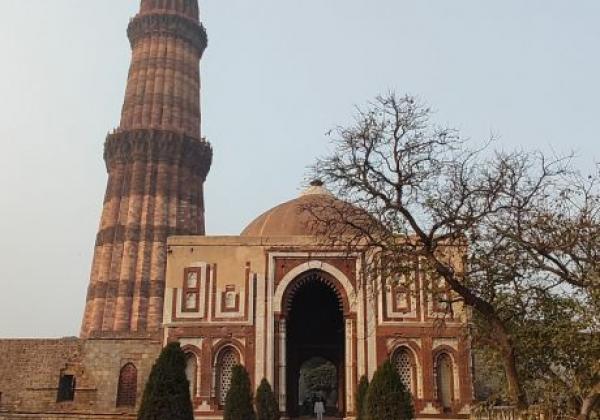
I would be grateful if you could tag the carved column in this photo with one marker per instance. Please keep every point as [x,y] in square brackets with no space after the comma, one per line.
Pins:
[349,365]
[282,366]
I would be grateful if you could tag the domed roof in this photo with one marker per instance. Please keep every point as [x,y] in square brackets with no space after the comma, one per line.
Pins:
[296,217]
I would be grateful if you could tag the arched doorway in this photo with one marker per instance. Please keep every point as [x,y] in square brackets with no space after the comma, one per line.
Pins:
[315,331]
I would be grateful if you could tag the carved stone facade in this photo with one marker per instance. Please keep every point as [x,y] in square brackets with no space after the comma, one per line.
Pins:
[263,276]
[270,299]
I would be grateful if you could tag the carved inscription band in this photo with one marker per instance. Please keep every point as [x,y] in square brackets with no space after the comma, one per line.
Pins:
[139,233]
[125,288]
[172,25]
[158,146]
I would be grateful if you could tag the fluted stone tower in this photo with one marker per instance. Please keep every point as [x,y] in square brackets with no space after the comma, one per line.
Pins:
[157,162]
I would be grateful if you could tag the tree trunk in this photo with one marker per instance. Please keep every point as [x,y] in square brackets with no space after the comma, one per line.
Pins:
[507,350]
[499,330]
[588,405]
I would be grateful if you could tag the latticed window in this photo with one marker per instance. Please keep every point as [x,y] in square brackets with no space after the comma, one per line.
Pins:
[127,390]
[403,363]
[444,379]
[191,372]
[227,360]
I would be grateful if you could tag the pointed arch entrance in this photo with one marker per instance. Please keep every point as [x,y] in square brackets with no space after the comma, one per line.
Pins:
[314,309]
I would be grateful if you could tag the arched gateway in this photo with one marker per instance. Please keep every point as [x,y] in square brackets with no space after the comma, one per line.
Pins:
[301,315]
[314,308]
[315,313]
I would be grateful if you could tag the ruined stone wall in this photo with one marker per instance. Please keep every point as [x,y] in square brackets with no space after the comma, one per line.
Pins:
[30,369]
[64,416]
[30,372]
[103,359]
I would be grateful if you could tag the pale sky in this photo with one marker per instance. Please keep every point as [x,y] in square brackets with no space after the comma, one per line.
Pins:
[276,76]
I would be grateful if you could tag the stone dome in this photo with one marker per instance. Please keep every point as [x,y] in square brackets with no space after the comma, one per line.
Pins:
[293,218]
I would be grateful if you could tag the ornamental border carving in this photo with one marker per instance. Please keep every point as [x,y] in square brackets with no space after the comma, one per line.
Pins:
[173,25]
[158,146]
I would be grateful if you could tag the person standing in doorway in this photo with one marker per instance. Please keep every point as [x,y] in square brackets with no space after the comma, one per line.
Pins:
[319,408]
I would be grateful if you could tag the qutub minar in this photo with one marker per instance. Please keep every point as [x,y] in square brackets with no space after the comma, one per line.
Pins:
[273,299]
[157,162]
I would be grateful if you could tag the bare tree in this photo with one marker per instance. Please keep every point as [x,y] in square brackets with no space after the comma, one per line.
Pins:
[413,189]
[560,236]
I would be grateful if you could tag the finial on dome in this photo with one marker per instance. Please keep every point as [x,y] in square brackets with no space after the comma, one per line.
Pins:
[316,187]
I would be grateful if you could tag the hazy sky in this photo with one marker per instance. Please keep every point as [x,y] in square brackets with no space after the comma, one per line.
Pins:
[276,76]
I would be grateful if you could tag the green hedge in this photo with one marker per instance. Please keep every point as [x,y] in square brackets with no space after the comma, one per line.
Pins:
[387,397]
[361,398]
[167,392]
[266,402]
[238,403]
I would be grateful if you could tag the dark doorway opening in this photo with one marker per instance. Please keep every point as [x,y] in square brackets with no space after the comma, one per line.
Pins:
[315,338]
[318,379]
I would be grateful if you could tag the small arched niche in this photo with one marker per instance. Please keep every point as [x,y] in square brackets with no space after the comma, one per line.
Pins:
[127,388]
[444,381]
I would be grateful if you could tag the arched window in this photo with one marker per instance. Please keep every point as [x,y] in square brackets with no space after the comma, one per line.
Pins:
[403,362]
[227,360]
[191,372]
[444,381]
[127,390]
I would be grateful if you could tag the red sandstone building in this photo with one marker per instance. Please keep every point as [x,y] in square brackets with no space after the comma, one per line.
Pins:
[272,299]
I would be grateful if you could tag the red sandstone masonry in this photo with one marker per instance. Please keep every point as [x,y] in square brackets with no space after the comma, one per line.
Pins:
[164,84]
[187,8]
[157,163]
[157,148]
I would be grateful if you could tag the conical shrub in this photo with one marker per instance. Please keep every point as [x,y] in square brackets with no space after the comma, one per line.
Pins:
[238,402]
[266,402]
[387,397]
[167,392]
[361,398]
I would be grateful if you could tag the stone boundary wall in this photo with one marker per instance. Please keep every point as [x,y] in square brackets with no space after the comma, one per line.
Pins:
[31,365]
[30,370]
[44,416]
